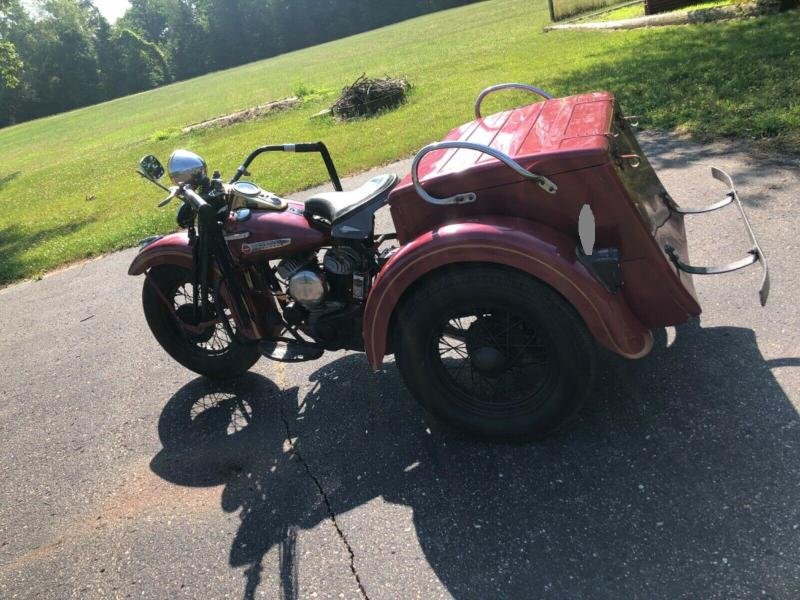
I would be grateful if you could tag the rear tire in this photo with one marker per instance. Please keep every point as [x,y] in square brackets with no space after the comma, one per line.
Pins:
[494,352]
[213,353]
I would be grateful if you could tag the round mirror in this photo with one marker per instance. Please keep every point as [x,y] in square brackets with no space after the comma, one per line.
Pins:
[151,167]
[186,167]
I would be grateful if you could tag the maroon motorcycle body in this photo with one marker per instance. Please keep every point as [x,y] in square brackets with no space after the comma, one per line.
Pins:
[557,194]
[289,230]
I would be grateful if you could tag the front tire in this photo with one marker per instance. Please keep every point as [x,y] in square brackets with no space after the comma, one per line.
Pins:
[211,352]
[494,352]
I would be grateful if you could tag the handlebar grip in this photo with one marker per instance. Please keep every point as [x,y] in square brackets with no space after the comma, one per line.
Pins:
[194,198]
[308,147]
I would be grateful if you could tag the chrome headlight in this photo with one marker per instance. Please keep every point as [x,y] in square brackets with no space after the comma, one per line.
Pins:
[186,167]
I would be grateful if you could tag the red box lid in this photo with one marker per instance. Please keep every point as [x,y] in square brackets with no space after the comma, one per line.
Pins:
[557,135]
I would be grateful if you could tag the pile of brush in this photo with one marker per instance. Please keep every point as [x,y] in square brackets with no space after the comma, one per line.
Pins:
[369,96]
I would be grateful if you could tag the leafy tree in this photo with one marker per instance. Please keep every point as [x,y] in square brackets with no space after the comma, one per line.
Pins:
[236,30]
[63,63]
[16,29]
[141,63]
[149,18]
[187,41]
[10,63]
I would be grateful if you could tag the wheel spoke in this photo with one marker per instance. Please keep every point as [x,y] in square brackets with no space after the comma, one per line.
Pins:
[511,368]
[215,340]
[458,349]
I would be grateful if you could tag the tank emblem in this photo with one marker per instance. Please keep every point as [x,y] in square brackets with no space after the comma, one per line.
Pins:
[265,245]
[232,237]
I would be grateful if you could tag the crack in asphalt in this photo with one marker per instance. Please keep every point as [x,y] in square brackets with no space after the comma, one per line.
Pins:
[331,513]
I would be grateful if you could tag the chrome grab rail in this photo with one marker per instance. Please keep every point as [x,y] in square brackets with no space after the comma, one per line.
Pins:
[463,198]
[507,86]
[755,254]
[673,206]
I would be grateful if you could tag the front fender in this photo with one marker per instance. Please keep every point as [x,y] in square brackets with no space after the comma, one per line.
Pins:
[530,247]
[173,249]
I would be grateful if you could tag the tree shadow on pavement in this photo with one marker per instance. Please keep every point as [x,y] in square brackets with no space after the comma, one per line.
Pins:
[16,241]
[682,478]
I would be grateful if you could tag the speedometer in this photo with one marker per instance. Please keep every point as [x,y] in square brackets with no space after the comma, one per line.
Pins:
[254,197]
[247,189]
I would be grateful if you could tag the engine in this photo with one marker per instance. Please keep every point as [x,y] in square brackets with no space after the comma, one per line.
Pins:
[348,273]
[327,299]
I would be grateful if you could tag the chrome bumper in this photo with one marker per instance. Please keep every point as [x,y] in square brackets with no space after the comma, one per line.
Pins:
[754,255]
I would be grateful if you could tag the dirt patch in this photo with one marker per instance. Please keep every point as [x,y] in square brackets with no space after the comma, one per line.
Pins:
[143,494]
[245,115]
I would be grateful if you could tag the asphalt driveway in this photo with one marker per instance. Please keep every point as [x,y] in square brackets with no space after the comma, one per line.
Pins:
[124,475]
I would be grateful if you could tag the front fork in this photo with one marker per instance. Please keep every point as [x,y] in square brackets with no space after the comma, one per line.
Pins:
[212,270]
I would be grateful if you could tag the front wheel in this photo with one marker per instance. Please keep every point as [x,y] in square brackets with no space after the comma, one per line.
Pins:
[209,351]
[494,352]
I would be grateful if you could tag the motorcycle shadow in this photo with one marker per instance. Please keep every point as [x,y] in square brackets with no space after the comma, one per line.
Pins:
[682,478]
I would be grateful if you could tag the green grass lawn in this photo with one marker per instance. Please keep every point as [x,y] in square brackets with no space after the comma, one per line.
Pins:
[676,77]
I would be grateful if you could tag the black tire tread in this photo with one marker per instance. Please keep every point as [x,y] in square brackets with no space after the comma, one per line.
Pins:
[232,363]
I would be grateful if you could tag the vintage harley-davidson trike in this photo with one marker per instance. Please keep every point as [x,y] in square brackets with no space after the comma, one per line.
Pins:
[525,237]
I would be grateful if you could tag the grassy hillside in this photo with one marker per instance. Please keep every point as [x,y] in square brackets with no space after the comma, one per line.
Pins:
[68,187]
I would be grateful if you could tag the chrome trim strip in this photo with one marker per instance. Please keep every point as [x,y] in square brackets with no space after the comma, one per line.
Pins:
[231,237]
[673,206]
[749,259]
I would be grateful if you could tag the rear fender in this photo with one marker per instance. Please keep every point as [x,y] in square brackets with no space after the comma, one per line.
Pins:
[518,243]
[174,249]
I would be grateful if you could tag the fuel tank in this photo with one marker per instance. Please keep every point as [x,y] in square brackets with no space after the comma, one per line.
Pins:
[256,235]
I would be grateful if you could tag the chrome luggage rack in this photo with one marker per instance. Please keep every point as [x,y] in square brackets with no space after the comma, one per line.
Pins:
[755,254]
[507,86]
[465,197]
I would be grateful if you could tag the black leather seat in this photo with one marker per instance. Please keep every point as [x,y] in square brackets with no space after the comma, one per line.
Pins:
[337,206]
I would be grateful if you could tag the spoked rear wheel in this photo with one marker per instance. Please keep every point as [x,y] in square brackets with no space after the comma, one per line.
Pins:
[492,360]
[494,352]
[203,346]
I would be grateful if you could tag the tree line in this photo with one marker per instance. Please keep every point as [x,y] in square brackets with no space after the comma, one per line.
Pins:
[56,55]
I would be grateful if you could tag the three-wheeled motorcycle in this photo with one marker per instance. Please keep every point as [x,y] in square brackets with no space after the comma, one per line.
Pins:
[522,240]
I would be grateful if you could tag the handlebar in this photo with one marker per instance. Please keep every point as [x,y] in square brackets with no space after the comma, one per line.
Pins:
[193,198]
[305,147]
